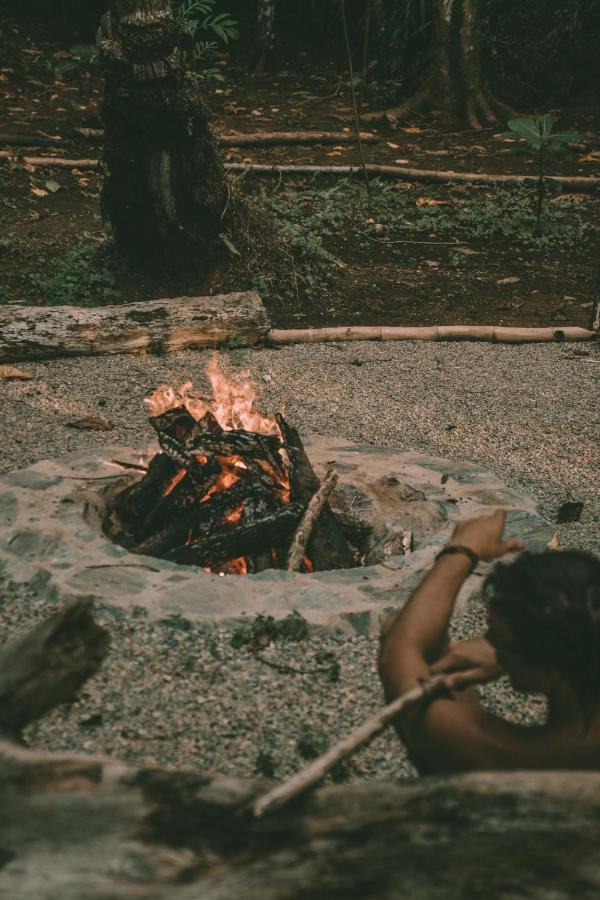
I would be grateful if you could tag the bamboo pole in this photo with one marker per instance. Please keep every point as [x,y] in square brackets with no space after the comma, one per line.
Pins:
[295,785]
[308,521]
[407,173]
[493,333]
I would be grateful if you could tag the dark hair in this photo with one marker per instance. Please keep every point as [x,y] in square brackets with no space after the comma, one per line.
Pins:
[551,601]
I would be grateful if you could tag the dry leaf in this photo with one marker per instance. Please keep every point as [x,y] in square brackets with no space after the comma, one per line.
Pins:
[466,251]
[511,279]
[18,374]
[593,157]
[437,152]
[432,263]
[411,129]
[91,423]
[554,542]
[401,162]
[256,112]
[393,146]
[569,198]
[429,201]
[39,192]
[52,185]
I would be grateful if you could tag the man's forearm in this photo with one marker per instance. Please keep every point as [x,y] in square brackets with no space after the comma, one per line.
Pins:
[422,624]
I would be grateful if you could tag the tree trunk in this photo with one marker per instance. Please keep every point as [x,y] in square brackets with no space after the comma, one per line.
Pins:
[164,192]
[454,84]
[262,58]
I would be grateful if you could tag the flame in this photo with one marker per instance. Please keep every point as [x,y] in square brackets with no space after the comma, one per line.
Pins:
[227,476]
[232,403]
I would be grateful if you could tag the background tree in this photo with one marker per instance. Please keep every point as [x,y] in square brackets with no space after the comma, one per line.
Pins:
[264,47]
[454,82]
[165,194]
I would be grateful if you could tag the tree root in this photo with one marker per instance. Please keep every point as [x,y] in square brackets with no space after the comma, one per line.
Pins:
[482,109]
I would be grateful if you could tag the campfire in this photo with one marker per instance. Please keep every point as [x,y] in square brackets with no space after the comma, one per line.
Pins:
[232,490]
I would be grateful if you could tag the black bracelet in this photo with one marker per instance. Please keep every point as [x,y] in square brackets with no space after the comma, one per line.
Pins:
[458,548]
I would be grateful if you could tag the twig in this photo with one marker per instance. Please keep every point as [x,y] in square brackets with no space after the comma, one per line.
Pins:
[407,241]
[354,105]
[291,788]
[308,521]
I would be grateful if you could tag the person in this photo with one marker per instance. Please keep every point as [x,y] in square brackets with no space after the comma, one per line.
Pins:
[544,633]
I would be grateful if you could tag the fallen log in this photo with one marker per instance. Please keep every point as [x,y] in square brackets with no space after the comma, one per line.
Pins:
[406,173]
[154,326]
[499,334]
[48,665]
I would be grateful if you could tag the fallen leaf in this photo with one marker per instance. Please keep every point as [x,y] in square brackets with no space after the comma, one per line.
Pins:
[52,185]
[553,543]
[429,201]
[593,157]
[568,198]
[466,251]
[393,146]
[9,372]
[512,279]
[91,423]
[256,112]
[39,192]
[411,129]
[437,152]
[401,162]
[432,263]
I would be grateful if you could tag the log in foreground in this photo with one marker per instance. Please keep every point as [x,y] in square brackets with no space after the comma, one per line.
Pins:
[155,326]
[494,333]
[76,827]
[89,828]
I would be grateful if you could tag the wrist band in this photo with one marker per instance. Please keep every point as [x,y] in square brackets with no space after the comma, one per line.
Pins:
[458,548]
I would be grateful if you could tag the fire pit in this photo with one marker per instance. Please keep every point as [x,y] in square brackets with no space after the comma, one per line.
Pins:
[202,527]
[230,489]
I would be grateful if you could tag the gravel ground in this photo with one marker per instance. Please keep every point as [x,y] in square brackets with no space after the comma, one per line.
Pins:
[530,414]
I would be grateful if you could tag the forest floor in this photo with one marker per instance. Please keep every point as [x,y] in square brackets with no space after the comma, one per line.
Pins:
[444,254]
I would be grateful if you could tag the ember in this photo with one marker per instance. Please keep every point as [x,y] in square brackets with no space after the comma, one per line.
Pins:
[229,489]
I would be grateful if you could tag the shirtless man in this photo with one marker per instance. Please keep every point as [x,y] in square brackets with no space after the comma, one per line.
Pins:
[544,633]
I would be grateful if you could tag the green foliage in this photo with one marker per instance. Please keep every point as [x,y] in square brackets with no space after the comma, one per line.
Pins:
[539,134]
[200,25]
[313,742]
[83,56]
[263,629]
[79,278]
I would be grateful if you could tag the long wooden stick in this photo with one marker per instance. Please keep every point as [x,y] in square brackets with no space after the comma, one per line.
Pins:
[312,774]
[264,138]
[493,333]
[308,521]
[576,182]
[407,173]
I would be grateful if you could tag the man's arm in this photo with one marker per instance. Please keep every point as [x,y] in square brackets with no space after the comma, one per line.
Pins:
[450,734]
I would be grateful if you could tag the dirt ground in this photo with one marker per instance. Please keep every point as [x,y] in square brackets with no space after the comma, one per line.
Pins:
[425,269]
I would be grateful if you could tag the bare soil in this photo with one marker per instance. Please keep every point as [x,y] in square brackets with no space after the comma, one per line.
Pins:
[420,279]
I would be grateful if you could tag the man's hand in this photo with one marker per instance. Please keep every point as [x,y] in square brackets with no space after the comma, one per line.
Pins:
[468,662]
[484,536]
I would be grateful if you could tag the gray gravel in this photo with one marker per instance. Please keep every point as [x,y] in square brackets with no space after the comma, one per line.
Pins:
[529,413]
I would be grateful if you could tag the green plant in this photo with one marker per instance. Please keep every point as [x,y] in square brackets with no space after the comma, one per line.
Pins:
[80,276]
[313,742]
[538,134]
[263,629]
[83,56]
[197,18]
